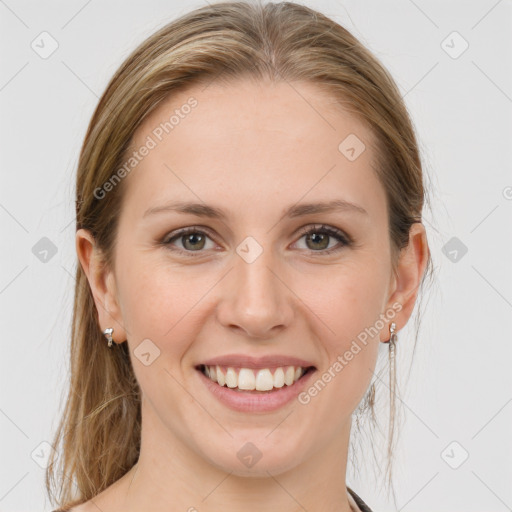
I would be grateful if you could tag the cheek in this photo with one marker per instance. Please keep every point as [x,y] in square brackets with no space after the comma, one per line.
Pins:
[165,304]
[351,348]
[351,310]
[160,308]
[352,296]
[153,299]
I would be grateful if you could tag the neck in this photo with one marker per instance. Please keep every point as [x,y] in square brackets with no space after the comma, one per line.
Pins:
[169,477]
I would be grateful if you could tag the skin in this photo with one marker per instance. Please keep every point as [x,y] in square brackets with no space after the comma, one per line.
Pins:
[252,149]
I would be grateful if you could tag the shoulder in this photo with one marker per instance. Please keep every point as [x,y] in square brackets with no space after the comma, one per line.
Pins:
[92,505]
[83,507]
[360,503]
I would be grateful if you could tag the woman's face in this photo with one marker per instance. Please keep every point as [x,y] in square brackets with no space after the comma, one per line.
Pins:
[247,282]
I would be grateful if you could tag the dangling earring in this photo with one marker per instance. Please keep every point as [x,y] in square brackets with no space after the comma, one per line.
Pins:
[393,338]
[108,334]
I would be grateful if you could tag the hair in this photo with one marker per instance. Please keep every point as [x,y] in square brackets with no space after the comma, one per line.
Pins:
[100,427]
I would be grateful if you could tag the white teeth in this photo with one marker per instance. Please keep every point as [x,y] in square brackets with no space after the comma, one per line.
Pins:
[259,380]
[289,375]
[231,378]
[279,378]
[246,379]
[220,375]
[264,380]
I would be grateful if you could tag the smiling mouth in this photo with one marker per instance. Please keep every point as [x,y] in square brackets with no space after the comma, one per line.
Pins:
[262,380]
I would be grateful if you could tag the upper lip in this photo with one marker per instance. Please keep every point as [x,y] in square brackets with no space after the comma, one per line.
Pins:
[245,361]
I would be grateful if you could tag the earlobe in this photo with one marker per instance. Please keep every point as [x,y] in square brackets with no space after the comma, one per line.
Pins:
[411,267]
[102,284]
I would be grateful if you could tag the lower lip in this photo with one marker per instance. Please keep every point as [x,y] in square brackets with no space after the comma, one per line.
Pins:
[246,401]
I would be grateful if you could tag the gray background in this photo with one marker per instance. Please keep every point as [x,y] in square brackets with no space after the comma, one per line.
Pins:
[458,401]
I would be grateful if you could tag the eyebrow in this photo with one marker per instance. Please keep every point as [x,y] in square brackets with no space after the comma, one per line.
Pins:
[296,210]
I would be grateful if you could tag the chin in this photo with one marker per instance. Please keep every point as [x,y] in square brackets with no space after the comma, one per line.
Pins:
[251,461]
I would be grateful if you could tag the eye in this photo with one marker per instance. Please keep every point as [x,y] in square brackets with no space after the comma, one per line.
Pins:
[192,239]
[318,239]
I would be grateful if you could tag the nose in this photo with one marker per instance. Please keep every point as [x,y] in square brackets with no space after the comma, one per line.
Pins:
[255,298]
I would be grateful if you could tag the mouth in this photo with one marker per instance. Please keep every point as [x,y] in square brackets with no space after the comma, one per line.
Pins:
[255,380]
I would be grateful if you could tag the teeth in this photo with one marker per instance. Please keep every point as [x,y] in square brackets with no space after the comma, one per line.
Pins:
[259,380]
[221,379]
[231,378]
[279,378]
[246,379]
[289,376]
[264,380]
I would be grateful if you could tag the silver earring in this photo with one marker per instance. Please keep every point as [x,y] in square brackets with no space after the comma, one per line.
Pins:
[392,372]
[393,338]
[108,334]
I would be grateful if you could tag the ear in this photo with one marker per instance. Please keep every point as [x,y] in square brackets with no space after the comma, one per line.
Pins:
[407,279]
[102,284]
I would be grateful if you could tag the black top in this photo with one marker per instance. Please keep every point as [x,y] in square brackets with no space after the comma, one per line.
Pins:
[360,503]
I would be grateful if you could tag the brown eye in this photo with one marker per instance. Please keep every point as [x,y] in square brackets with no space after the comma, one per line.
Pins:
[318,239]
[191,240]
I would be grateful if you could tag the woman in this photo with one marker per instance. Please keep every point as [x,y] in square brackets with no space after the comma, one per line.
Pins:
[249,200]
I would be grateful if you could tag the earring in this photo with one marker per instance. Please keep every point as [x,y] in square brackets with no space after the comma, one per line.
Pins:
[393,338]
[392,377]
[108,334]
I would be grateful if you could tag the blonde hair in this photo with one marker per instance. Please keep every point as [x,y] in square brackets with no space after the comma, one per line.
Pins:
[98,436]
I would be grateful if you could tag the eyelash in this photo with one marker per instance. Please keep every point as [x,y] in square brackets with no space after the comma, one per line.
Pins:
[344,239]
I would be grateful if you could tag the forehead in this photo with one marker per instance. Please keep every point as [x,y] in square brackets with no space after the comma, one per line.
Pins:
[252,145]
